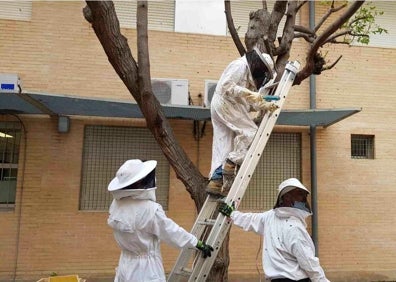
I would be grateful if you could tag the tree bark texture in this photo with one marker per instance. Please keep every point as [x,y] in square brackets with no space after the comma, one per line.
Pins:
[102,16]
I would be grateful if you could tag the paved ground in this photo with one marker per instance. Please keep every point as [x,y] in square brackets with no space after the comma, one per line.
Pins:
[239,278]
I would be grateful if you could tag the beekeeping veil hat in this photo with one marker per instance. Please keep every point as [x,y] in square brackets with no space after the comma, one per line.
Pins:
[130,172]
[261,67]
[266,59]
[288,185]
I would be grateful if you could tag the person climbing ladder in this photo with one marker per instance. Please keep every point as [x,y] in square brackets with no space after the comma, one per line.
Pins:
[233,127]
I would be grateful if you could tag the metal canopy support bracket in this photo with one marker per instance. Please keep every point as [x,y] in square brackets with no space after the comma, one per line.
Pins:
[36,103]
[63,121]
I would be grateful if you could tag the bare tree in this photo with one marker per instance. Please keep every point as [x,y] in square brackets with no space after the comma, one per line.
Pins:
[262,31]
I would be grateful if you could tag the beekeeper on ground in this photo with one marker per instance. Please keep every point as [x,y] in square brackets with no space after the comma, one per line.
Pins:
[288,250]
[234,98]
[139,224]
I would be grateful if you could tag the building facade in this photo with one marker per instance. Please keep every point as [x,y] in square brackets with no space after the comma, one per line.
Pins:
[55,168]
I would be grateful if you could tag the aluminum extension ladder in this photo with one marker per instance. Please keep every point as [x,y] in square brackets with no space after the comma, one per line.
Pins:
[211,226]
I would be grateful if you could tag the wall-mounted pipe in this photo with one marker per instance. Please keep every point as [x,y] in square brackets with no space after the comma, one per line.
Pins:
[312,136]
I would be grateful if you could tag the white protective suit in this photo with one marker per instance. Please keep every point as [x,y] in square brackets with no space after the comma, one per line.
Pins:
[288,249]
[139,223]
[233,127]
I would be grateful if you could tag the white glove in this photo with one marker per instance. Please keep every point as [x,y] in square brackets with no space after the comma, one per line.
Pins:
[258,102]
[252,97]
[267,106]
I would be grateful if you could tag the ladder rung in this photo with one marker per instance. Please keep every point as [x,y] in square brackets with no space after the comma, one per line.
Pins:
[207,222]
[272,85]
[186,271]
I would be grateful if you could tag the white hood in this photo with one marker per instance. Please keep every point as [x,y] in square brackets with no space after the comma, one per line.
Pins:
[288,212]
[138,194]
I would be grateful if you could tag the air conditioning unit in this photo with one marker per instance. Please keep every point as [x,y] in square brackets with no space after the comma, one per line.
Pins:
[10,83]
[170,91]
[210,87]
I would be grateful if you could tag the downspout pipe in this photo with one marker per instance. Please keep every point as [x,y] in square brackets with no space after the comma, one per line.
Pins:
[312,136]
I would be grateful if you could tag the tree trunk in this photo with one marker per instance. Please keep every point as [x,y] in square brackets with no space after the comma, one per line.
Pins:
[106,26]
[102,16]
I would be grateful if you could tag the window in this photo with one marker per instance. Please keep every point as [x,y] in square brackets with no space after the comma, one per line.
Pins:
[10,136]
[281,160]
[106,148]
[203,17]
[209,18]
[161,14]
[16,10]
[362,146]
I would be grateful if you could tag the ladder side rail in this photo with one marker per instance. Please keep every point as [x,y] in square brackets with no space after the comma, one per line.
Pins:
[216,237]
[203,266]
[206,212]
[283,87]
[222,225]
[198,229]
[264,132]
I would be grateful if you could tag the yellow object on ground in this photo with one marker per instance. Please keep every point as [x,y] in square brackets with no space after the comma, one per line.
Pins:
[66,278]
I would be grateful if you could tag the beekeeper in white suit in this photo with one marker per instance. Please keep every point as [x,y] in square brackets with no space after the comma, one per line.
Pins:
[139,223]
[234,98]
[289,253]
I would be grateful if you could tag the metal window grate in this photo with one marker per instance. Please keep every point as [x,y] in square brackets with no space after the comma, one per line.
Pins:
[10,138]
[16,10]
[161,14]
[106,148]
[362,146]
[281,160]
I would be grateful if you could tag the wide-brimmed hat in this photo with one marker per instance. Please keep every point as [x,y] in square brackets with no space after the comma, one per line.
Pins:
[290,184]
[130,172]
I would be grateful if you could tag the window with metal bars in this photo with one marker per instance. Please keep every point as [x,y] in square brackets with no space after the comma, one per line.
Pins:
[105,149]
[281,160]
[16,10]
[161,14]
[10,137]
[362,146]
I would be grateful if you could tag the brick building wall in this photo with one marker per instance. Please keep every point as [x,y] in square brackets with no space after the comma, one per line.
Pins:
[58,52]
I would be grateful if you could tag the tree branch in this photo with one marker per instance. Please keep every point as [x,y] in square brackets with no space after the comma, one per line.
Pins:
[137,80]
[231,28]
[333,64]
[114,43]
[332,38]
[327,15]
[303,29]
[277,14]
[143,51]
[283,51]
[302,3]
[306,37]
[265,7]
[321,39]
